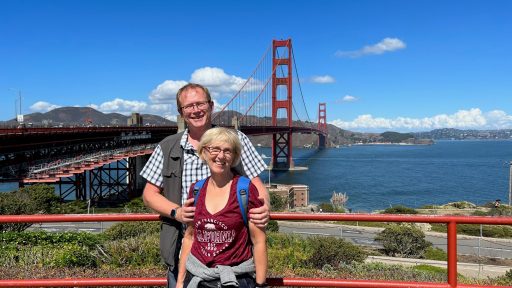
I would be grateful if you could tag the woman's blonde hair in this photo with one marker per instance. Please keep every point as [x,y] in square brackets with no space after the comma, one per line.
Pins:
[222,135]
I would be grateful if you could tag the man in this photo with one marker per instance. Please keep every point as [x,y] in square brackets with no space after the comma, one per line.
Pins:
[175,165]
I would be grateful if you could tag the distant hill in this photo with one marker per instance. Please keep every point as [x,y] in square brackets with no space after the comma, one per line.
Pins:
[86,116]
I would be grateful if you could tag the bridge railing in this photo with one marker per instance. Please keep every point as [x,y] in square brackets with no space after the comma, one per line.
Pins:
[451,222]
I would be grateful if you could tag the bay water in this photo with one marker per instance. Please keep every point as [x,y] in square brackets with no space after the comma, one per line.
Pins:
[376,177]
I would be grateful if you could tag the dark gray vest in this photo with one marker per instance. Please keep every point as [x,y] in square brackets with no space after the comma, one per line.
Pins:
[171,230]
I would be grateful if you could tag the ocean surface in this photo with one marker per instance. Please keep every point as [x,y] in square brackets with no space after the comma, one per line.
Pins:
[379,176]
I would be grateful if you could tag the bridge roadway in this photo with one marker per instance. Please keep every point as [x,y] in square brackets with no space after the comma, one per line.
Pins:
[23,148]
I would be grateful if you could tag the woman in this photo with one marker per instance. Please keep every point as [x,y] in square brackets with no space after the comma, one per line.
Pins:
[218,248]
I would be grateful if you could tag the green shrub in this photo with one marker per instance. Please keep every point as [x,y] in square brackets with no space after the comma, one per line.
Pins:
[72,255]
[399,209]
[333,251]
[136,251]
[403,240]
[508,274]
[460,205]
[272,226]
[329,208]
[479,213]
[430,269]
[136,205]
[125,230]
[286,251]
[35,238]
[435,254]
[72,207]
[502,210]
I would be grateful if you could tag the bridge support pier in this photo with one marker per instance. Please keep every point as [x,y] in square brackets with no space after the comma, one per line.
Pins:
[110,183]
[135,181]
[281,152]
[322,139]
[322,125]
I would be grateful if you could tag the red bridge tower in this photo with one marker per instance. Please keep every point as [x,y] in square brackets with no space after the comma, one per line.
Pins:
[322,125]
[282,142]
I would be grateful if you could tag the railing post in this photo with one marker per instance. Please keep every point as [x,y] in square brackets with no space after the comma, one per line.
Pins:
[452,253]
[235,122]
[181,123]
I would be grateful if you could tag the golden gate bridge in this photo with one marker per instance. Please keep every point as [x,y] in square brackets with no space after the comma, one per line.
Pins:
[265,104]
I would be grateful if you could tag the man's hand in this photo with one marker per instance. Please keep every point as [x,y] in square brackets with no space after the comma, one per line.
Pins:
[261,215]
[185,214]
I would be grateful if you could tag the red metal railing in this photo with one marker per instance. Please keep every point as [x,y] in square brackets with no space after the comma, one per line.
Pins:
[451,221]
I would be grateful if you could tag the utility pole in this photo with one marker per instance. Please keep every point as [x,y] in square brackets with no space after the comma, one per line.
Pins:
[19,117]
[510,184]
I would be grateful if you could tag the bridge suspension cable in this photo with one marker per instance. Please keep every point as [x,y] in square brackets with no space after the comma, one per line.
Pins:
[300,88]
[252,103]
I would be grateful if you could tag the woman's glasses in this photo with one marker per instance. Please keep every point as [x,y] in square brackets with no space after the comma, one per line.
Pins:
[214,151]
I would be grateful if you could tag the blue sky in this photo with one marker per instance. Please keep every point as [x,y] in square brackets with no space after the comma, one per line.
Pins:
[379,65]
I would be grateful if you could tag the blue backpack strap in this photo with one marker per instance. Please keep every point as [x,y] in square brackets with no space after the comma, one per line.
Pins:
[197,188]
[242,194]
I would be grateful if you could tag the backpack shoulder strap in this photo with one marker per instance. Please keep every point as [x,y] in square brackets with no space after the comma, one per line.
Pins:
[197,188]
[242,194]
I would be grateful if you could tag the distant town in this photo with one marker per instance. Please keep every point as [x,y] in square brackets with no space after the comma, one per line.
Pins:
[457,134]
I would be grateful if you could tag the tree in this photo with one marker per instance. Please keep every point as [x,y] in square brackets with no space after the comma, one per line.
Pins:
[37,199]
[277,202]
[399,209]
[403,240]
[328,207]
[333,251]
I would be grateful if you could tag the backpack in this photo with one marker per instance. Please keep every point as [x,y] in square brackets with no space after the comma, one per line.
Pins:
[242,194]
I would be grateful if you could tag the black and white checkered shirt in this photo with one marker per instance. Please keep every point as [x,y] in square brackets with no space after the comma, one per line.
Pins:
[195,169]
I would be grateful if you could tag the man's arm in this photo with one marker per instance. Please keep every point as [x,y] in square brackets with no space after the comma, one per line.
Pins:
[261,215]
[153,198]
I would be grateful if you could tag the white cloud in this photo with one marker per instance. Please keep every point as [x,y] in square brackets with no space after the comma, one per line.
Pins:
[93,106]
[166,92]
[386,45]
[349,98]
[42,107]
[218,82]
[323,79]
[123,106]
[162,99]
[462,119]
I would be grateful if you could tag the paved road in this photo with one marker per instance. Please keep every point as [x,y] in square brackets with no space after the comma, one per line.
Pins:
[466,245]
[93,227]
[473,270]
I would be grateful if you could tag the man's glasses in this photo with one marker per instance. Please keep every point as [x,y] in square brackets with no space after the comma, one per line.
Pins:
[214,151]
[197,105]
